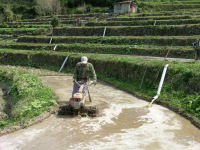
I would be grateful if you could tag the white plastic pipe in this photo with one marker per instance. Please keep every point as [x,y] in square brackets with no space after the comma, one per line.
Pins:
[63,64]
[10,90]
[55,47]
[154,23]
[104,33]
[50,40]
[162,79]
[160,85]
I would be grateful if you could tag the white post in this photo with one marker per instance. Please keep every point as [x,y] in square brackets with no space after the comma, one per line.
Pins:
[55,47]
[50,40]
[154,23]
[104,33]
[63,64]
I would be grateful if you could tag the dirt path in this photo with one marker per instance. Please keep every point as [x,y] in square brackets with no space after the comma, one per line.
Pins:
[156,58]
[125,124]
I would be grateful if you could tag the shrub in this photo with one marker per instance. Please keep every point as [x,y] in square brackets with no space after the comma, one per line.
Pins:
[55,22]
[194,106]
[88,8]
[8,14]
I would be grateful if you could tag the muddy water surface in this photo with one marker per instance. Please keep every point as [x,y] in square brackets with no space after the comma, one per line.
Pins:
[124,124]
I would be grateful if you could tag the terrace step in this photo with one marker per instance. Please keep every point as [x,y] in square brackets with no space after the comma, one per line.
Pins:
[167,13]
[146,50]
[41,22]
[78,15]
[125,40]
[149,18]
[145,22]
[24,55]
[18,31]
[164,30]
[16,25]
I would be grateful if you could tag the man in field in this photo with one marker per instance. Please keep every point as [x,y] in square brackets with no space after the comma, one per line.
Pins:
[196,46]
[83,73]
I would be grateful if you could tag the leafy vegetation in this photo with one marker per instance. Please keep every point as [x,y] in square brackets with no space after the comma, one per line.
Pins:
[164,30]
[55,22]
[145,22]
[137,49]
[30,31]
[30,97]
[113,40]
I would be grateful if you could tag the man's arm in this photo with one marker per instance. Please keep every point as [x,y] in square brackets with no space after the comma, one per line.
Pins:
[93,74]
[75,73]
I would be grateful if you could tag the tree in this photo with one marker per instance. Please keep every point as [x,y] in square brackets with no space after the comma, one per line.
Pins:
[8,14]
[55,21]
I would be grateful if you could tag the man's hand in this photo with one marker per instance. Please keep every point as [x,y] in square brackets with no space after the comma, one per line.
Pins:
[92,82]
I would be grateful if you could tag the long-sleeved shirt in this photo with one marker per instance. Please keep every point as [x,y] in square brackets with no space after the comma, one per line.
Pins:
[82,72]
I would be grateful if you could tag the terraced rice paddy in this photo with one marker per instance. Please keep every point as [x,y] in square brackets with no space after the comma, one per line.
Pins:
[130,55]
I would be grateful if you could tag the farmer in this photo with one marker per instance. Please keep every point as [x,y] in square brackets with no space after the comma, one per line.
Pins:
[196,46]
[83,72]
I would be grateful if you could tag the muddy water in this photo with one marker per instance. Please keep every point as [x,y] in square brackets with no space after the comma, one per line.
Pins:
[124,124]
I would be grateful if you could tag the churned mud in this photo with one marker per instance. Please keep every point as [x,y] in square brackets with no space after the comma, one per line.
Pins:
[123,124]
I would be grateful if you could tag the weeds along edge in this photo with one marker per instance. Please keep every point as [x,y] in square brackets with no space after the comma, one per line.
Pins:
[32,101]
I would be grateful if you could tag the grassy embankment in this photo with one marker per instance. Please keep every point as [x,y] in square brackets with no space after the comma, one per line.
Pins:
[30,98]
[143,50]
[17,31]
[113,40]
[164,30]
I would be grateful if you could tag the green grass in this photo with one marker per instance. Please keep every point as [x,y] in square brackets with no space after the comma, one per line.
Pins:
[179,101]
[63,46]
[28,23]
[164,30]
[137,49]
[23,30]
[23,26]
[145,22]
[30,97]
[166,13]
[77,15]
[125,18]
[114,40]
[5,36]
[18,29]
